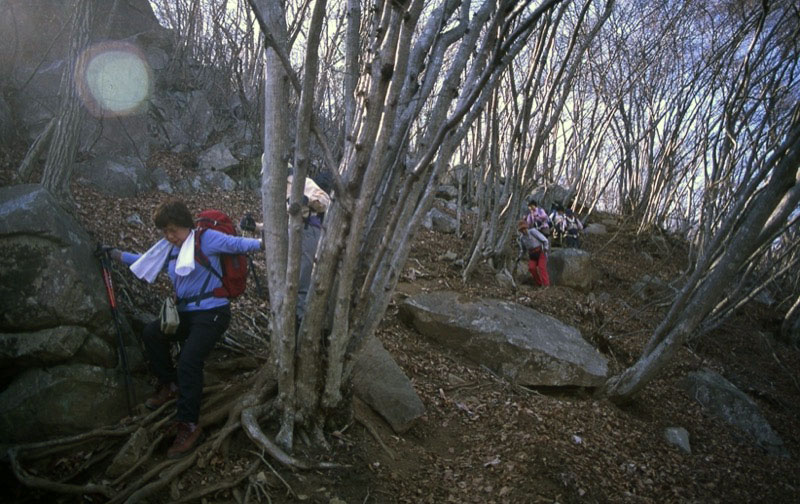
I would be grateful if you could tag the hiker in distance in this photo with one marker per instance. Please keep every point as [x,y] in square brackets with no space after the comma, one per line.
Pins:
[315,203]
[537,218]
[535,246]
[191,258]
[573,227]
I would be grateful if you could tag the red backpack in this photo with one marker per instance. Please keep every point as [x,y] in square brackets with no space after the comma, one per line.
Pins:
[234,266]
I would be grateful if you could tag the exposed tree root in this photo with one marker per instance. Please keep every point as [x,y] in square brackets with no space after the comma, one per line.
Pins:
[137,492]
[51,486]
[240,406]
[139,463]
[224,485]
[277,475]
[361,415]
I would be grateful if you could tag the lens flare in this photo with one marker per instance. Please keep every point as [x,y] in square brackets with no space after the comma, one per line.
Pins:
[114,79]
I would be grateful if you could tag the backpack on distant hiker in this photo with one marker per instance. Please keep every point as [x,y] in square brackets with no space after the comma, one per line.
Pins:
[234,266]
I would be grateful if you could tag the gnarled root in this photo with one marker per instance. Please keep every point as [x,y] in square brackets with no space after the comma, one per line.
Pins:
[52,486]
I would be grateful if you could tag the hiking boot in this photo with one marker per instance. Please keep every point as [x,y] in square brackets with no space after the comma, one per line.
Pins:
[165,393]
[189,435]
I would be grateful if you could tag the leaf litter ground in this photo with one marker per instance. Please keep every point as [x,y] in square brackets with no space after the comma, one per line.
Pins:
[486,440]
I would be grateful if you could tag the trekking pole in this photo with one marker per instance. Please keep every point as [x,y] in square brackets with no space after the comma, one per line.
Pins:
[105,262]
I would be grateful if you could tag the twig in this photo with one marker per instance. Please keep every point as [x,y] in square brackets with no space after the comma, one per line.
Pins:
[288,486]
[220,486]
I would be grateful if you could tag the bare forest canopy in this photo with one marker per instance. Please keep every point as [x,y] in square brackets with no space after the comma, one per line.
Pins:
[662,111]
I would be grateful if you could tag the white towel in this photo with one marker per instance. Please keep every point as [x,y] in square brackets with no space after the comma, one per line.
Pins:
[149,265]
[185,264]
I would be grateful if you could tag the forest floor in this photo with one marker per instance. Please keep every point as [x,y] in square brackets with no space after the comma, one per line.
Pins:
[486,440]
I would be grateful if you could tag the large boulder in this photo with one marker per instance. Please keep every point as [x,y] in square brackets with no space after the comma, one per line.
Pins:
[36,31]
[382,384]
[525,346]
[58,343]
[447,192]
[50,346]
[62,400]
[187,119]
[122,178]
[6,122]
[571,267]
[595,228]
[33,69]
[722,399]
[439,221]
[217,158]
[651,287]
[49,274]
[545,196]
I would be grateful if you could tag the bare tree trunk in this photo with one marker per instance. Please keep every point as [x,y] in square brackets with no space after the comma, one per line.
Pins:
[61,154]
[749,229]
[273,193]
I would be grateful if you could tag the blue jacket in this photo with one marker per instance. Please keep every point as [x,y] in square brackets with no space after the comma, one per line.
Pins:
[212,243]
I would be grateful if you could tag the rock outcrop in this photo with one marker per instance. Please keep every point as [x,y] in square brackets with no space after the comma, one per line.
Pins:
[722,399]
[57,340]
[515,341]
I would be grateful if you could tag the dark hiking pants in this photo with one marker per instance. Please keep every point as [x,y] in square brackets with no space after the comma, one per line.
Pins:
[198,332]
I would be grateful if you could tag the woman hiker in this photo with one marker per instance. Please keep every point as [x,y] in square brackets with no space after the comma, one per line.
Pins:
[203,317]
[535,246]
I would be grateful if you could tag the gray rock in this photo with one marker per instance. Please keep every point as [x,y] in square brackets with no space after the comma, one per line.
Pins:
[504,279]
[37,102]
[679,437]
[595,229]
[447,192]
[610,223]
[381,383]
[517,342]
[57,337]
[126,135]
[448,256]
[546,196]
[6,122]
[217,158]
[161,180]
[571,268]
[48,274]
[44,347]
[212,181]
[723,400]
[649,287]
[61,400]
[439,221]
[135,220]
[121,178]
[36,28]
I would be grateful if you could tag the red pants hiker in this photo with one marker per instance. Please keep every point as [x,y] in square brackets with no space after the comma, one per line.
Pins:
[538,269]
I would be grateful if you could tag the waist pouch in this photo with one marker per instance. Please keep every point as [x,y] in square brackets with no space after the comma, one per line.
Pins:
[169,316]
[534,252]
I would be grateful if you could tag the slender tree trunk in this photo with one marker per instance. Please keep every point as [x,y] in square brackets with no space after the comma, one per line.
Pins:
[60,161]
[767,211]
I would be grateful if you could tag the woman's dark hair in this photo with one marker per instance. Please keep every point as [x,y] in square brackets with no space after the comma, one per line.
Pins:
[173,211]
